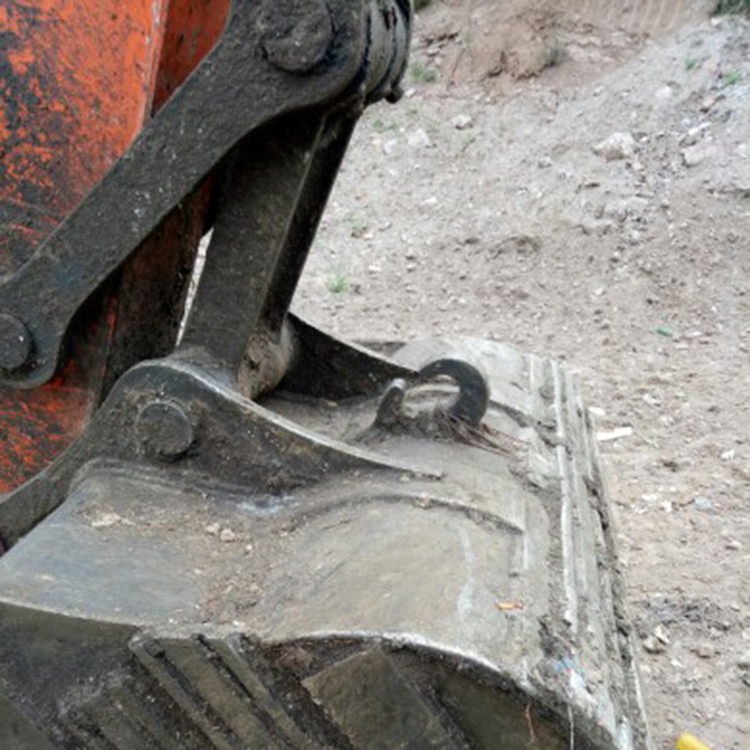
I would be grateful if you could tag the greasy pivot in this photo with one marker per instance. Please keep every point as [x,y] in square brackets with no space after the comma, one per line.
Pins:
[296,33]
[165,430]
[16,343]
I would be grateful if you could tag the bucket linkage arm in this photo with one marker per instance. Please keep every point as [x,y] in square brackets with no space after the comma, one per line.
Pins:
[313,64]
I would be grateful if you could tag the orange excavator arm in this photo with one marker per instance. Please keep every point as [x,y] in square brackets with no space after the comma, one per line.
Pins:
[80,78]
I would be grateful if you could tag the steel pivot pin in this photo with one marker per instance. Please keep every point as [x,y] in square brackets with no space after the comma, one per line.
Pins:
[16,343]
[165,430]
[296,34]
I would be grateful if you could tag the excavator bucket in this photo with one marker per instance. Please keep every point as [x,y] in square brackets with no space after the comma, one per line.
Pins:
[248,533]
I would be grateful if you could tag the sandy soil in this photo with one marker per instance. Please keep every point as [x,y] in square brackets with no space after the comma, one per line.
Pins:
[488,202]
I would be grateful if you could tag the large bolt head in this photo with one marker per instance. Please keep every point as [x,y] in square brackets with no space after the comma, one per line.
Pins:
[165,430]
[296,33]
[16,343]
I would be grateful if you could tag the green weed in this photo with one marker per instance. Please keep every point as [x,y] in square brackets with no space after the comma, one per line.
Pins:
[422,74]
[732,78]
[732,7]
[338,284]
[383,127]
[554,54]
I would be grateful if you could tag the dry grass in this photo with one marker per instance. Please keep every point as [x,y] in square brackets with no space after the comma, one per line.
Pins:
[732,7]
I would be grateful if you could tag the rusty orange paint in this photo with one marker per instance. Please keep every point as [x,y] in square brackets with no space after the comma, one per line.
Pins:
[75,92]
[193,26]
[79,78]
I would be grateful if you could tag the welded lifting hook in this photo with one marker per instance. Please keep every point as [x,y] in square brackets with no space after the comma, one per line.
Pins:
[469,407]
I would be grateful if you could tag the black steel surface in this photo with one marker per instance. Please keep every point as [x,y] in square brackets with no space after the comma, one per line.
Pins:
[277,187]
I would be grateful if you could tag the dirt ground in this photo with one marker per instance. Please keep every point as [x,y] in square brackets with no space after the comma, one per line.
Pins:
[573,178]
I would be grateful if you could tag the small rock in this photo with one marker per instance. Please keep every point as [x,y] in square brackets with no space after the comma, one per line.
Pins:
[462,122]
[694,134]
[106,520]
[390,146]
[705,651]
[664,95]
[544,163]
[622,209]
[617,434]
[296,658]
[703,504]
[227,535]
[693,156]
[653,645]
[734,545]
[213,529]
[522,244]
[662,634]
[419,139]
[617,146]
[425,503]
[744,661]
